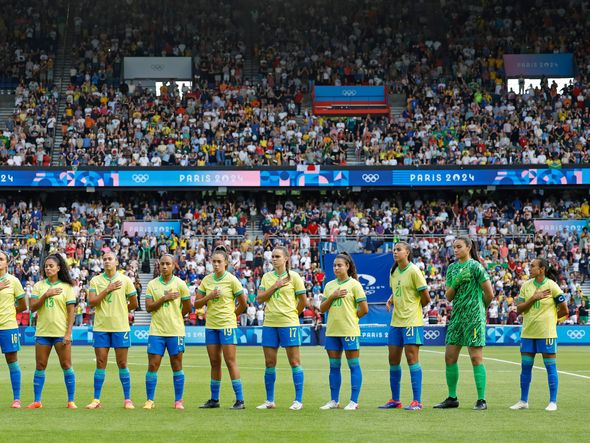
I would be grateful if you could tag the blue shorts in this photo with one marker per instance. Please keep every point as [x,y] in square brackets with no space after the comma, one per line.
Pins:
[401,336]
[273,337]
[48,341]
[538,345]
[225,336]
[158,345]
[111,340]
[9,341]
[342,344]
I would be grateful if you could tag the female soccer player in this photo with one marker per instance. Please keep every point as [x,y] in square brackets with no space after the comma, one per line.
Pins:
[469,288]
[283,291]
[113,295]
[12,300]
[168,300]
[541,302]
[346,303]
[409,295]
[220,291]
[54,301]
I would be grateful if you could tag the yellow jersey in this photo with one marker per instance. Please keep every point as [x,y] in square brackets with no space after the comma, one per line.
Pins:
[281,309]
[8,298]
[167,321]
[111,313]
[221,310]
[52,316]
[406,285]
[342,314]
[541,319]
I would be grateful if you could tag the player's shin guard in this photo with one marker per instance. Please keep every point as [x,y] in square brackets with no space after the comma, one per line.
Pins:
[298,382]
[479,374]
[125,378]
[395,378]
[335,378]
[237,387]
[15,379]
[178,379]
[151,381]
[99,376]
[416,377]
[38,383]
[356,378]
[215,387]
[552,378]
[526,375]
[70,381]
[452,373]
[270,377]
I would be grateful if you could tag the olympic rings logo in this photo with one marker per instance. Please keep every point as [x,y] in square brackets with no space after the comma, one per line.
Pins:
[157,67]
[370,178]
[140,178]
[576,334]
[141,334]
[431,335]
[349,92]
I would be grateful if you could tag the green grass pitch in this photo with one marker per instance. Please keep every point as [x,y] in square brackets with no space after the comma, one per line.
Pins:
[113,424]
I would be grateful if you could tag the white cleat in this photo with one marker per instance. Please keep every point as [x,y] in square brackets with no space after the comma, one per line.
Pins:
[519,405]
[352,406]
[551,407]
[330,405]
[267,405]
[296,406]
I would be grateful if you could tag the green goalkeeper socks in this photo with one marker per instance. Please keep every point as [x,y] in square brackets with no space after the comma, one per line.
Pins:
[479,373]
[452,379]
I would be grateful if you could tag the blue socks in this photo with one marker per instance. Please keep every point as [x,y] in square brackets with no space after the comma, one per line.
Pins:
[151,380]
[125,378]
[416,377]
[215,388]
[395,377]
[270,377]
[237,385]
[15,379]
[99,375]
[335,378]
[356,378]
[298,382]
[526,375]
[70,381]
[38,382]
[178,378]
[552,378]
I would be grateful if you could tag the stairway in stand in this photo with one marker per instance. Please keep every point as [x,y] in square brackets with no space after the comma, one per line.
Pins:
[143,317]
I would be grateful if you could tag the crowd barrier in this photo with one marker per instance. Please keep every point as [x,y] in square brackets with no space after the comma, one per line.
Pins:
[371,335]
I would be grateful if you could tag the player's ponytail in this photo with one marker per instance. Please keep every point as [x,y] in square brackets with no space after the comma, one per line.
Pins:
[351,266]
[407,248]
[285,252]
[550,271]
[472,245]
[221,250]
[64,270]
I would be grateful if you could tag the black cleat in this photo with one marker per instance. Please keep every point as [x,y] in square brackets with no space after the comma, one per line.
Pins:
[480,405]
[210,404]
[239,404]
[450,402]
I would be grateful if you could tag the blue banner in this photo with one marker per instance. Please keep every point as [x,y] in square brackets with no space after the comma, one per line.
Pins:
[151,227]
[537,65]
[373,271]
[340,94]
[556,225]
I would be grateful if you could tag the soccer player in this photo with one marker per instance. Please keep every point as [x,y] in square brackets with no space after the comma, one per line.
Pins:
[168,300]
[406,332]
[541,302]
[113,295]
[54,300]
[220,291]
[12,300]
[346,303]
[469,288]
[283,291]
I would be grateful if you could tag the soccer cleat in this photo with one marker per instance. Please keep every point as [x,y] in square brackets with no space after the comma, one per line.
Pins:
[480,405]
[95,404]
[210,404]
[149,404]
[414,406]
[71,405]
[519,405]
[239,404]
[391,404]
[352,406]
[330,405]
[35,405]
[128,404]
[16,404]
[551,407]
[296,406]
[179,404]
[448,403]
[267,405]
